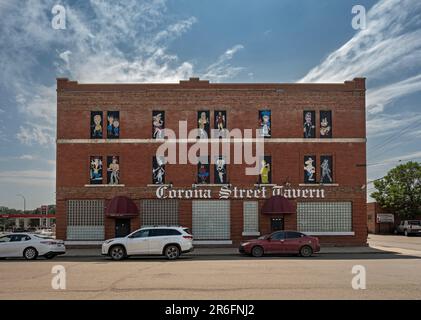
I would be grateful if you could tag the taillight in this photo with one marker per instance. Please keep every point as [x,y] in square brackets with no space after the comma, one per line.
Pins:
[49,243]
[188,237]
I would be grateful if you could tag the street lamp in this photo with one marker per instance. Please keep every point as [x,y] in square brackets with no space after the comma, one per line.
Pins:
[24,201]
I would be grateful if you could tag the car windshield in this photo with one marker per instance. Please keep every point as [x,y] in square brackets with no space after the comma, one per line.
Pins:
[415,222]
[264,237]
[187,230]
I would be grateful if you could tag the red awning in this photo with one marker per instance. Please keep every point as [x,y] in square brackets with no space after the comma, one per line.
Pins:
[121,207]
[278,205]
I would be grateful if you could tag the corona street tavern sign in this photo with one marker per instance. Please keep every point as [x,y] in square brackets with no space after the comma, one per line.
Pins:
[227,192]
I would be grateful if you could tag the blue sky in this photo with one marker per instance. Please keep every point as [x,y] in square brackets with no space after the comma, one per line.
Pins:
[223,41]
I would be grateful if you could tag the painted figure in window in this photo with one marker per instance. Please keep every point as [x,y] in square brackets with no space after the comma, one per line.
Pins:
[308,125]
[158,171]
[203,173]
[97,126]
[310,170]
[220,123]
[114,171]
[113,126]
[220,170]
[264,172]
[326,172]
[96,170]
[158,125]
[203,123]
[324,128]
[265,123]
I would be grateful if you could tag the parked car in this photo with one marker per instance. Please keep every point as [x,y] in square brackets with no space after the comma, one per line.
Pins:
[30,246]
[168,241]
[281,242]
[409,227]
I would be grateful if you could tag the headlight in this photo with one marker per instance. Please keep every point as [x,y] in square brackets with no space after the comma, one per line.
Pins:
[108,241]
[245,244]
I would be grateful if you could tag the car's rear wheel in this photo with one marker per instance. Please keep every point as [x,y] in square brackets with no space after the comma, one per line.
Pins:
[30,253]
[117,253]
[257,251]
[172,252]
[306,251]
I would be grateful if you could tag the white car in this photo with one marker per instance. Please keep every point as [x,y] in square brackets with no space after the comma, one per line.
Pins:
[168,241]
[30,246]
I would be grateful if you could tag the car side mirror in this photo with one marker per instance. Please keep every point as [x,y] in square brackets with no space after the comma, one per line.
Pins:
[269,239]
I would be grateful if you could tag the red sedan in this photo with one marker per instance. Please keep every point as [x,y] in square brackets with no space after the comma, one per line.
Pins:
[288,242]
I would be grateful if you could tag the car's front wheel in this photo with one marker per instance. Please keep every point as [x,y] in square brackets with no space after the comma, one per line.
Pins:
[257,251]
[30,253]
[172,252]
[306,251]
[117,253]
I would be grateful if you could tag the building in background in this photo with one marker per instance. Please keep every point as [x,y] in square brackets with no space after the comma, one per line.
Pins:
[108,174]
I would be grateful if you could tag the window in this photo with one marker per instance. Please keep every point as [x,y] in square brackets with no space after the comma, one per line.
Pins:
[265,175]
[141,234]
[309,124]
[203,124]
[113,170]
[113,124]
[203,171]
[220,171]
[158,170]
[85,220]
[158,124]
[220,118]
[5,239]
[96,125]
[159,212]
[293,235]
[211,219]
[95,171]
[325,124]
[280,235]
[309,169]
[326,169]
[324,216]
[250,217]
[164,232]
[265,123]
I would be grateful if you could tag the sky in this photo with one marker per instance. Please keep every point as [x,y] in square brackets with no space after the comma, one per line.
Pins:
[220,40]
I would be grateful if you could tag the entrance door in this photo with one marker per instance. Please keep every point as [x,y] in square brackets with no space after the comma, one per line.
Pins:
[122,227]
[276,224]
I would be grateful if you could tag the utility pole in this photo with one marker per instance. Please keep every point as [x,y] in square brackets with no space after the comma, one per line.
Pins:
[24,209]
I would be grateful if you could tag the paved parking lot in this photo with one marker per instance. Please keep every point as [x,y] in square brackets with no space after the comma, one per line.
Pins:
[389,275]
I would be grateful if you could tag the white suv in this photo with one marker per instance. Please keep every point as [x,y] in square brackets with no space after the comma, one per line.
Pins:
[168,241]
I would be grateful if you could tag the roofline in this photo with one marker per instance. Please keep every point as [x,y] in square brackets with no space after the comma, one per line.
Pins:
[64,84]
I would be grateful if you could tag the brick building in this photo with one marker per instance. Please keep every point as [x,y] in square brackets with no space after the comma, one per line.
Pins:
[314,152]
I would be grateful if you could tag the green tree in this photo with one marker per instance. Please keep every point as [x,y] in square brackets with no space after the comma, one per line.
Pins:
[400,190]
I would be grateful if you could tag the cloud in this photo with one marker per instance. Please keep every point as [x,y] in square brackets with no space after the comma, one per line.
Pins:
[28,177]
[27,157]
[222,69]
[380,125]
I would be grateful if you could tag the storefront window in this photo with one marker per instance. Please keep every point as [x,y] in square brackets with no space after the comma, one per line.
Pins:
[203,124]
[159,212]
[220,173]
[265,123]
[113,124]
[158,124]
[326,169]
[324,216]
[158,170]
[250,217]
[309,124]
[265,176]
[211,219]
[113,170]
[309,169]
[85,220]
[325,124]
[95,170]
[96,125]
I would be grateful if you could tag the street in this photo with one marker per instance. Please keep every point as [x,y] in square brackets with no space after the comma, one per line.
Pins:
[389,275]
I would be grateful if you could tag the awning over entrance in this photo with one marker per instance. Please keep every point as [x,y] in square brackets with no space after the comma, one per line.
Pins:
[121,207]
[278,205]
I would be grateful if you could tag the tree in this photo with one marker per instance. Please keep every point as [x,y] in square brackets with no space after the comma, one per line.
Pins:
[400,190]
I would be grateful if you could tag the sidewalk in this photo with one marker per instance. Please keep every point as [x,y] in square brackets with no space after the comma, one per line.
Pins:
[95,252]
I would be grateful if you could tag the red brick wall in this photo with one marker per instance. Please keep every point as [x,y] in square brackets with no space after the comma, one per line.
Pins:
[181,102]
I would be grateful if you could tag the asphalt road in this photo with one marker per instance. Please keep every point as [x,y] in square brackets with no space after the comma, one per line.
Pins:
[388,276]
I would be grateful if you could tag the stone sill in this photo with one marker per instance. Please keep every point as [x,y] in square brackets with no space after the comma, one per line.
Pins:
[104,185]
[319,185]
